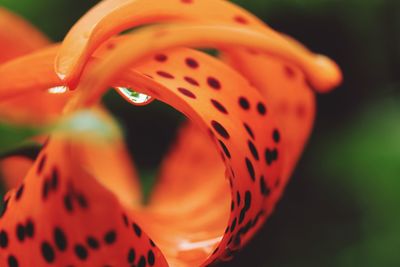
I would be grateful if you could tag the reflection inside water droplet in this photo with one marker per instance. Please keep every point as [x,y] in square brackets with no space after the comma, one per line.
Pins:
[133,97]
[58,90]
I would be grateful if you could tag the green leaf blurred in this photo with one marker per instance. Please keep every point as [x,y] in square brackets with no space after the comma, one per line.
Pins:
[84,125]
[87,126]
[365,158]
[15,136]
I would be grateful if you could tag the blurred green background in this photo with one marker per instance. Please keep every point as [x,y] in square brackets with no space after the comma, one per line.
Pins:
[342,207]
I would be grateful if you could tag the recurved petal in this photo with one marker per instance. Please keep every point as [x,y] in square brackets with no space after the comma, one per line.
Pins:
[222,103]
[113,16]
[234,111]
[220,36]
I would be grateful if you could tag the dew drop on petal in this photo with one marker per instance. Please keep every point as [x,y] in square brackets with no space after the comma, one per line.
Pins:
[134,97]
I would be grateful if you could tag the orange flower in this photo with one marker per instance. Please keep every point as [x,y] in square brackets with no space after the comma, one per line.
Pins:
[78,207]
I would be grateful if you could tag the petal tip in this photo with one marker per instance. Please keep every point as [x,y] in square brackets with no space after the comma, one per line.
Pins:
[328,74]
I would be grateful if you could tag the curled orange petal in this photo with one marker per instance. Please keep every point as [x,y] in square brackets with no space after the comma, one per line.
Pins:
[217,107]
[228,168]
[209,35]
[113,16]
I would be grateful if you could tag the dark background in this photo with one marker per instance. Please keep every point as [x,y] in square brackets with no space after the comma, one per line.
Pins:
[342,207]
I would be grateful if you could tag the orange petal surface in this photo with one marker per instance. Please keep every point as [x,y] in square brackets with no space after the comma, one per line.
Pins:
[216,106]
[33,86]
[292,99]
[60,215]
[221,101]
[113,16]
[18,37]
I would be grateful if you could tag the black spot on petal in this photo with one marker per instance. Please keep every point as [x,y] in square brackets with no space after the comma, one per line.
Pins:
[81,252]
[233,225]
[137,229]
[241,216]
[213,83]
[45,189]
[19,192]
[271,155]
[41,164]
[250,169]
[125,219]
[186,92]
[191,81]
[160,57]
[150,258]
[68,203]
[249,130]
[12,261]
[276,136]
[131,255]
[29,228]
[262,110]
[265,190]
[225,149]
[83,203]
[3,239]
[192,63]
[92,242]
[219,106]
[142,262]
[253,150]
[247,200]
[220,129]
[238,198]
[110,237]
[20,232]
[54,179]
[244,103]
[165,75]
[60,239]
[47,252]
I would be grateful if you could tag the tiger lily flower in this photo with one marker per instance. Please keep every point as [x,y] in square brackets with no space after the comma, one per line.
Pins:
[251,111]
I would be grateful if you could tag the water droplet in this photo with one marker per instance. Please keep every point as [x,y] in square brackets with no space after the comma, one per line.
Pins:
[134,97]
[58,90]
